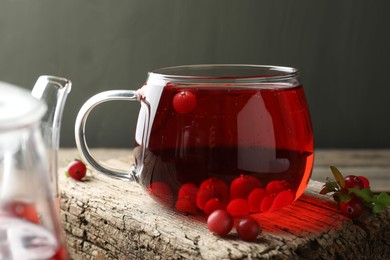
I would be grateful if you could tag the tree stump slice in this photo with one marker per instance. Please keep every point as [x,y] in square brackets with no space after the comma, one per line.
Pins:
[105,218]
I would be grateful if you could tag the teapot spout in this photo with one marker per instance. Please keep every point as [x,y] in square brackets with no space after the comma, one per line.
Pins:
[53,91]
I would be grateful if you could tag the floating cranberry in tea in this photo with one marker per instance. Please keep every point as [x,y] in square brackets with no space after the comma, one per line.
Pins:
[186,199]
[188,190]
[212,205]
[238,208]
[267,202]
[242,186]
[186,205]
[282,199]
[255,198]
[210,189]
[184,102]
[277,186]
[161,192]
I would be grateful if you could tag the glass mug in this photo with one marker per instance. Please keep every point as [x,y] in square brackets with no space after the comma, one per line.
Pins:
[216,136]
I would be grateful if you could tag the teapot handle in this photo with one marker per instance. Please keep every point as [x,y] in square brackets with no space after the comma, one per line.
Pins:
[81,143]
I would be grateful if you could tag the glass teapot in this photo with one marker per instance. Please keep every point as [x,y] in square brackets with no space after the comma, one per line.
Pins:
[29,137]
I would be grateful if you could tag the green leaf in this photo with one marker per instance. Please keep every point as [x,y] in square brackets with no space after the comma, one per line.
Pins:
[344,197]
[378,207]
[67,174]
[338,176]
[383,198]
[329,186]
[377,202]
[365,194]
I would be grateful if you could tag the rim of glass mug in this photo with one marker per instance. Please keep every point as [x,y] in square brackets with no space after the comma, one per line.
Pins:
[243,74]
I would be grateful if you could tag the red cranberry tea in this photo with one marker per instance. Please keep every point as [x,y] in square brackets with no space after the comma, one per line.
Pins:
[208,137]
[241,149]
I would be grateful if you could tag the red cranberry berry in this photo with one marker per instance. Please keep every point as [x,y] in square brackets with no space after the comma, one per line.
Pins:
[255,198]
[282,199]
[248,229]
[238,208]
[242,186]
[220,222]
[277,186]
[161,192]
[184,102]
[188,190]
[352,181]
[212,205]
[352,208]
[77,170]
[266,203]
[212,188]
[186,205]
[366,182]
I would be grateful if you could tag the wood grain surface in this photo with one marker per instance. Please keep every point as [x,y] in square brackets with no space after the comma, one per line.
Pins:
[106,218]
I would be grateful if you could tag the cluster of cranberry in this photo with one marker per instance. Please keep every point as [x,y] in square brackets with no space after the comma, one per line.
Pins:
[220,222]
[245,195]
[354,195]
[350,205]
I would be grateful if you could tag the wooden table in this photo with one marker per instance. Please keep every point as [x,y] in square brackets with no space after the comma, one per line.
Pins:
[112,219]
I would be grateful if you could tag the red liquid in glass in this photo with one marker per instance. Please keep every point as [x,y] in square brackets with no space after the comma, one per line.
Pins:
[230,132]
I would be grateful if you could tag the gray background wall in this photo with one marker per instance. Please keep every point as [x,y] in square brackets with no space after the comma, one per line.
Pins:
[342,48]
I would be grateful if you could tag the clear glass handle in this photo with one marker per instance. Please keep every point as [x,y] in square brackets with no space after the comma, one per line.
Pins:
[111,95]
[53,91]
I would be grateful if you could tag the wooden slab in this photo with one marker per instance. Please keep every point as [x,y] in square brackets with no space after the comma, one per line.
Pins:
[106,218]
